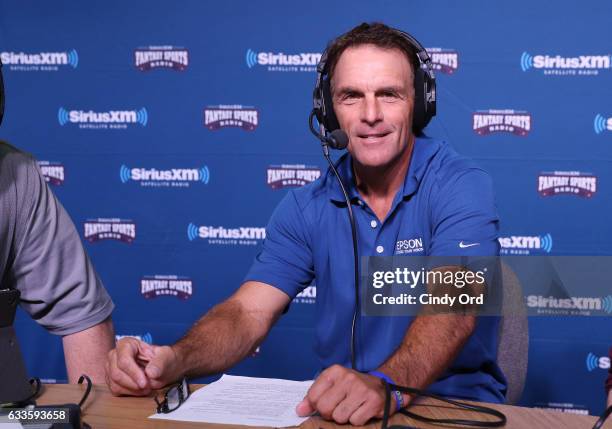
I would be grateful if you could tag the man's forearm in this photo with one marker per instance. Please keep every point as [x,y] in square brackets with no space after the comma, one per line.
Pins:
[220,339]
[85,352]
[430,345]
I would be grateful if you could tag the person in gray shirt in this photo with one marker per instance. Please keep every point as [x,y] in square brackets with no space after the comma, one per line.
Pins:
[42,256]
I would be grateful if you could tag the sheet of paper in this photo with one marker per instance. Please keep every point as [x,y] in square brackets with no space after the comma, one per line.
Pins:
[244,401]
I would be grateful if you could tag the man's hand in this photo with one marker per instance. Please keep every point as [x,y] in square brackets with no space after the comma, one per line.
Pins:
[136,368]
[610,398]
[345,396]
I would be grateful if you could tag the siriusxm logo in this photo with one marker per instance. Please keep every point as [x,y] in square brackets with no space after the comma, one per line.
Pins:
[567,182]
[510,121]
[444,60]
[154,57]
[601,124]
[146,338]
[224,116]
[53,172]
[40,61]
[558,65]
[525,245]
[248,236]
[169,285]
[114,119]
[307,296]
[291,176]
[174,177]
[571,306]
[306,62]
[593,362]
[109,229]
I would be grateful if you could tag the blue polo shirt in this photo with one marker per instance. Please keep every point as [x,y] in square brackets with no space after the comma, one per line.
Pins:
[445,200]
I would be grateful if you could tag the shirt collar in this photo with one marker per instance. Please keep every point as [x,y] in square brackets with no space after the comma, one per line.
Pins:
[424,149]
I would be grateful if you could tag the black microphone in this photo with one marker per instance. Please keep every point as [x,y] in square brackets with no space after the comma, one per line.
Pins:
[337,139]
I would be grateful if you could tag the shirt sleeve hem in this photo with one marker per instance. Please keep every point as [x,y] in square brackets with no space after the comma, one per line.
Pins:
[82,324]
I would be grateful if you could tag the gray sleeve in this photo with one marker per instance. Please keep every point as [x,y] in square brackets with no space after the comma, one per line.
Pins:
[59,286]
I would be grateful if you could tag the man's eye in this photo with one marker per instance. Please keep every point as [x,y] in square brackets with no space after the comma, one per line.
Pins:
[388,95]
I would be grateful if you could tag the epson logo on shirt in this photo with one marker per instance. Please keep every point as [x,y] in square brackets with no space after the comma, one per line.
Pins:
[248,236]
[166,285]
[444,60]
[567,182]
[169,57]
[411,245]
[228,116]
[565,66]
[510,121]
[525,245]
[109,229]
[53,172]
[304,61]
[291,176]
[40,61]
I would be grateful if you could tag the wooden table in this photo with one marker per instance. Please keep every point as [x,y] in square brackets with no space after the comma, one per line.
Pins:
[102,410]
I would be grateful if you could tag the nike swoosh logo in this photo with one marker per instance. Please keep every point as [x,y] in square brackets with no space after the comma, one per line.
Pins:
[463,245]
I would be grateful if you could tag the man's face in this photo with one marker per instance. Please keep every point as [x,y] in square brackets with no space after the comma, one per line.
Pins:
[373,96]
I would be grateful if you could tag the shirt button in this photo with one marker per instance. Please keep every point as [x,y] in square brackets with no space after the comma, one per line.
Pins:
[380,249]
[373,224]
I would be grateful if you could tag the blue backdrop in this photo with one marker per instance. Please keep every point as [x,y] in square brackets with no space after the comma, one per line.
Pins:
[171,131]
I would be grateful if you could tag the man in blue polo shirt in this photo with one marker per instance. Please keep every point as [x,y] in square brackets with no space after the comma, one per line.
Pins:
[408,194]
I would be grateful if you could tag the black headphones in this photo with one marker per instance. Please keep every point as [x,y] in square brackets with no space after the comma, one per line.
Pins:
[1,94]
[424,90]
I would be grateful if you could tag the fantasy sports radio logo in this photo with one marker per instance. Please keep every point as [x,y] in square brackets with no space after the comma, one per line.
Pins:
[146,338]
[226,116]
[563,407]
[156,57]
[567,182]
[570,306]
[166,285]
[53,172]
[173,177]
[109,229]
[113,119]
[302,62]
[593,362]
[444,60]
[40,61]
[243,236]
[516,122]
[566,66]
[601,124]
[291,176]
[526,245]
[306,296]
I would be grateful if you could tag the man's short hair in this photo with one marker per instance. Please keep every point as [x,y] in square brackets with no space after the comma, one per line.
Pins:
[377,34]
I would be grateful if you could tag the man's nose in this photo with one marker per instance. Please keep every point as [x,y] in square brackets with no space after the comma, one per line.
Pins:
[371,111]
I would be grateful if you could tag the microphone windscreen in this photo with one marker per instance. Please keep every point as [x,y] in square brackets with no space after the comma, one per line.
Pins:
[338,139]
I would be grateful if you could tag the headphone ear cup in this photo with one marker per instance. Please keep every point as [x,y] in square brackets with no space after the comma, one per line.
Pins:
[1,95]
[419,114]
[329,120]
